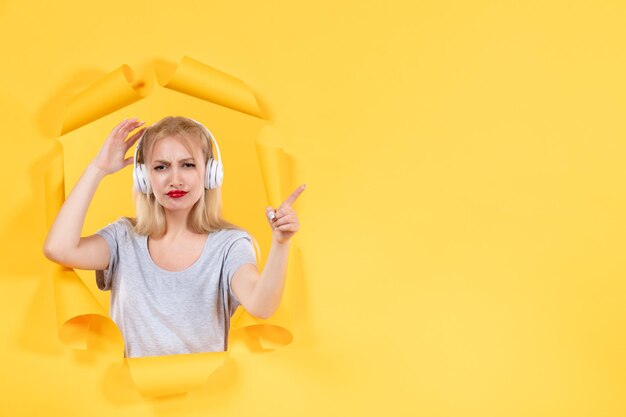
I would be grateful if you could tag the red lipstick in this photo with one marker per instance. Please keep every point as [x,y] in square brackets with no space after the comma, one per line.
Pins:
[176,193]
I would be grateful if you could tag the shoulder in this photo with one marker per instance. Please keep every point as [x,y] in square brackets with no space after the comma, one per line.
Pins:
[239,243]
[228,238]
[123,226]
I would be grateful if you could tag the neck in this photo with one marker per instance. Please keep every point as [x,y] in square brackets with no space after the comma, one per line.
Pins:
[176,223]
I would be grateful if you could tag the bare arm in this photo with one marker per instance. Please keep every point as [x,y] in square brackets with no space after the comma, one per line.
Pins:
[260,294]
[63,243]
[63,237]
[268,291]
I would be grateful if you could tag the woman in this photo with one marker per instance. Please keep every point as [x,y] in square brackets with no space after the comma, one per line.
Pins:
[178,271]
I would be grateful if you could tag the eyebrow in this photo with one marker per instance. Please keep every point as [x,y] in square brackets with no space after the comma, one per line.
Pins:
[161,161]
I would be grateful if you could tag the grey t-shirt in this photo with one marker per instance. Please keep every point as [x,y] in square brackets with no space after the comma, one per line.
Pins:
[162,312]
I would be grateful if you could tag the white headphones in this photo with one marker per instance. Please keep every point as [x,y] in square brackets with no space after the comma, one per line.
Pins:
[214,169]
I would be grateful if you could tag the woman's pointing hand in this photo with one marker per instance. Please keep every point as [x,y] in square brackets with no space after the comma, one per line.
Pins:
[284,221]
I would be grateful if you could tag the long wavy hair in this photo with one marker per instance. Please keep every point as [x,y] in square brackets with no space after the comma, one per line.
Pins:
[206,215]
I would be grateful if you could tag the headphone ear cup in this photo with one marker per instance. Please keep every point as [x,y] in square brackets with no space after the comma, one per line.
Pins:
[136,180]
[214,174]
[141,181]
[219,173]
[144,173]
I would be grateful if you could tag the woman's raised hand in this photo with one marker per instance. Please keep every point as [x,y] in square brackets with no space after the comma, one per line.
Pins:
[110,159]
[284,220]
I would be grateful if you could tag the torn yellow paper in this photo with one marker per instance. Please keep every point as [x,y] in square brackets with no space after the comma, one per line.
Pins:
[196,79]
[275,165]
[184,372]
[112,92]
[54,186]
[82,322]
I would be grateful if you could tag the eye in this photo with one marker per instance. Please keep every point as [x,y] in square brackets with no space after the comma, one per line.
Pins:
[159,167]
[189,165]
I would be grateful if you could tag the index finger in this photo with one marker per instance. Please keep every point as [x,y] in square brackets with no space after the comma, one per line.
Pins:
[292,198]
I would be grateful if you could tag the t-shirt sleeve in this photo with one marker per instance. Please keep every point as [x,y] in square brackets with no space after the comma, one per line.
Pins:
[111,233]
[239,253]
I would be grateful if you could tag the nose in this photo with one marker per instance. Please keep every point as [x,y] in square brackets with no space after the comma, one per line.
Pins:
[176,179]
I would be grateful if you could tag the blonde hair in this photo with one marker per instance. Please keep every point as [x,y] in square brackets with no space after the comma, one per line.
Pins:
[206,215]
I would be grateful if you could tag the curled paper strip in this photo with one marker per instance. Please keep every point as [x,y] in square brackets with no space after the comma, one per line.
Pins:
[82,321]
[275,165]
[196,79]
[112,92]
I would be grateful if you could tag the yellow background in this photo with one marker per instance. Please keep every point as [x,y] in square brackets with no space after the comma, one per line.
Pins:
[462,229]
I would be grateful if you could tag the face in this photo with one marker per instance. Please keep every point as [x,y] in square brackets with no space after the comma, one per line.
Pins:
[176,175]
